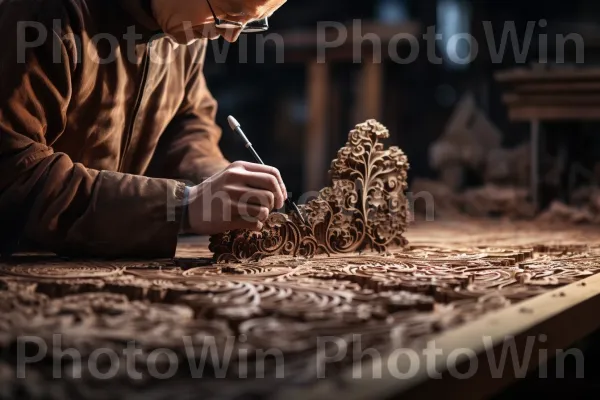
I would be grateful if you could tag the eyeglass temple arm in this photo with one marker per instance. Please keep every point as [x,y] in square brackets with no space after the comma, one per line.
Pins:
[212,11]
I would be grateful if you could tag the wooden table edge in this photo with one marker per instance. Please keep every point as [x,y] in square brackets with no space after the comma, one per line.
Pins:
[536,316]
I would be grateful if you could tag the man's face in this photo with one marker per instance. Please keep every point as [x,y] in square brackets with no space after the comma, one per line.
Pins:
[186,20]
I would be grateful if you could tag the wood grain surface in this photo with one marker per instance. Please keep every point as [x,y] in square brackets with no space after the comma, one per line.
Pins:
[452,276]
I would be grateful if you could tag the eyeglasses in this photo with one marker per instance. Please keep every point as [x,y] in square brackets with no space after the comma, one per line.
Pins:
[260,25]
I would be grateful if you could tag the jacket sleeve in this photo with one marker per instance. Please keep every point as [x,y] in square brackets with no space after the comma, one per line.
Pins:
[45,198]
[189,147]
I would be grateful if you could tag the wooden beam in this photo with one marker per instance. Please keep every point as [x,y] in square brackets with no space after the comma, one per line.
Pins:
[554,113]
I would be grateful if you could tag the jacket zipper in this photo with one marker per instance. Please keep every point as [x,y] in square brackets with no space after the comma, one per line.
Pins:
[137,105]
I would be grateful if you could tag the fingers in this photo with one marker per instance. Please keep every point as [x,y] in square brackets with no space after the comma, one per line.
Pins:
[257,197]
[239,197]
[250,212]
[251,167]
[250,217]
[267,170]
[266,182]
[249,225]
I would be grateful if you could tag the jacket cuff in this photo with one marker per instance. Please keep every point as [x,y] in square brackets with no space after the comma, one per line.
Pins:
[130,216]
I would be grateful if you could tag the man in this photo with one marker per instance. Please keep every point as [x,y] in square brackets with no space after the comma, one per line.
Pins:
[101,121]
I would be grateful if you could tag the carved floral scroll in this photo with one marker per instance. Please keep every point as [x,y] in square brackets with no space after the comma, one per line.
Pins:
[450,275]
[364,208]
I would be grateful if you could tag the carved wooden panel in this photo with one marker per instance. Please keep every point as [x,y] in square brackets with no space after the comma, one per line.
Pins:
[448,275]
[349,274]
[364,207]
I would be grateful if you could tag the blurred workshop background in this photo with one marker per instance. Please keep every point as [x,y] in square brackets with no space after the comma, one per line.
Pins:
[468,127]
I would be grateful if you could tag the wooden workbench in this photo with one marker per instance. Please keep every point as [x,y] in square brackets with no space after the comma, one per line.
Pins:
[465,285]
[545,95]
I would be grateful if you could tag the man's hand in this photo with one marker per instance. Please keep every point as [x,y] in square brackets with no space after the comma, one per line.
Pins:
[239,197]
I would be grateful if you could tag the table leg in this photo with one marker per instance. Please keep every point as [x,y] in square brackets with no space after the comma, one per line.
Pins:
[315,151]
[535,163]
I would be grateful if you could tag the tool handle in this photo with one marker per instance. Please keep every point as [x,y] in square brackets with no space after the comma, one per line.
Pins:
[235,126]
[248,145]
[255,154]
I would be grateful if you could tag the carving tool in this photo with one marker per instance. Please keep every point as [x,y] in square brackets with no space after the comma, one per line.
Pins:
[235,126]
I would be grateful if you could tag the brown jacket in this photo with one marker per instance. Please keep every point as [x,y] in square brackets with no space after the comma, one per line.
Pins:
[94,129]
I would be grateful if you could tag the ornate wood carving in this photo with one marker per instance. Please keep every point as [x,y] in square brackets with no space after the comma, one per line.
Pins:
[364,208]
[448,276]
